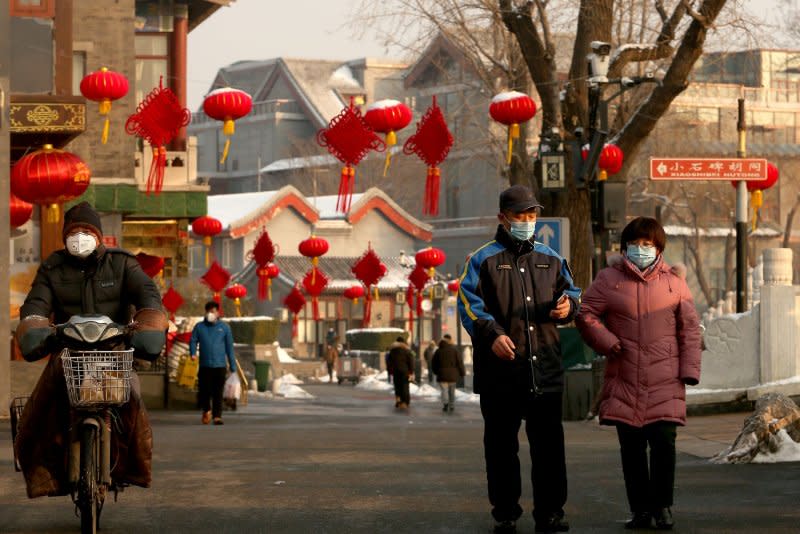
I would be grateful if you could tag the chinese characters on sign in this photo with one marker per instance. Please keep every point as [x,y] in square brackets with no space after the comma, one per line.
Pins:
[708,169]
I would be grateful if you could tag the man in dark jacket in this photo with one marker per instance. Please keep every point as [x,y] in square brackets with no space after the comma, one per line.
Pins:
[216,353]
[429,350]
[448,366]
[514,291]
[400,365]
[84,278]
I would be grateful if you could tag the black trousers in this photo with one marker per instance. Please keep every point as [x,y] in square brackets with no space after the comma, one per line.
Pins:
[211,383]
[502,415]
[648,488]
[401,387]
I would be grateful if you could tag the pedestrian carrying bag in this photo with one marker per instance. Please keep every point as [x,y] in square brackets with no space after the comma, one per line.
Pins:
[233,387]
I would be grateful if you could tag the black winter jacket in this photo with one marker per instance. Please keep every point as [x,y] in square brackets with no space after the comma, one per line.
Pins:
[509,288]
[400,360]
[447,363]
[110,282]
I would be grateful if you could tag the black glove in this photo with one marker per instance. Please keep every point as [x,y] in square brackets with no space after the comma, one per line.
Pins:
[34,343]
[690,381]
[147,344]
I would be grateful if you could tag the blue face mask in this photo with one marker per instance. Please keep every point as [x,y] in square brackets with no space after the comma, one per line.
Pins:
[642,257]
[522,230]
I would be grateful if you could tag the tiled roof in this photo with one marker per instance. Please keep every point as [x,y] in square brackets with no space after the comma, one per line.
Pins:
[248,76]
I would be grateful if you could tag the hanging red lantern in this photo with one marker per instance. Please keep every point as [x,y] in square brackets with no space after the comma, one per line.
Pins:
[216,278]
[417,278]
[172,300]
[104,86]
[369,270]
[314,283]
[512,108]
[453,286]
[430,258]
[157,120]
[354,293]
[227,104]
[431,143]
[294,302]
[755,187]
[348,137]
[19,211]
[236,293]
[265,276]
[313,248]
[49,177]
[610,161]
[207,227]
[388,117]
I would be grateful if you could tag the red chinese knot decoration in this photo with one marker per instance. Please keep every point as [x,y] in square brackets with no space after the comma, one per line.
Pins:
[417,280]
[104,86]
[294,302]
[388,117]
[207,227]
[348,137]
[172,300]
[236,293]
[512,108]
[314,283]
[262,254]
[157,120]
[19,211]
[431,143]
[227,104]
[430,258]
[49,177]
[369,270]
[216,278]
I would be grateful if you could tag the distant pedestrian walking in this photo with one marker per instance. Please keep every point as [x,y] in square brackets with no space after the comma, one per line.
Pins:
[331,357]
[449,367]
[429,350]
[640,314]
[216,352]
[400,366]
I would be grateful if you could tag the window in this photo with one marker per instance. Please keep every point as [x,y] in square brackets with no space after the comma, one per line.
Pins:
[152,59]
[78,71]
[33,8]
[227,253]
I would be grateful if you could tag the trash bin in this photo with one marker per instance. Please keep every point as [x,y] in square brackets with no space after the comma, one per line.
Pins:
[262,374]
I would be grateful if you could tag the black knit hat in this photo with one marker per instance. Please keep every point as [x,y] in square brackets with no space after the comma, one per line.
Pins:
[82,215]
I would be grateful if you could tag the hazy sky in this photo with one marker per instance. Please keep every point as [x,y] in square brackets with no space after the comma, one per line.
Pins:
[264,29]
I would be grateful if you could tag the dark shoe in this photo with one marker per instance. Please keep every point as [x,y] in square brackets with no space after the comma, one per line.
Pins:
[663,518]
[445,408]
[554,524]
[218,421]
[506,527]
[639,520]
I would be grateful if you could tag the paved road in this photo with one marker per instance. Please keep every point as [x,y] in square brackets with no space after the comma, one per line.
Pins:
[346,462]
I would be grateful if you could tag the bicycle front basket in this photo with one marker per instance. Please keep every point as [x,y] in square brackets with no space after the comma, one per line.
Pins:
[97,378]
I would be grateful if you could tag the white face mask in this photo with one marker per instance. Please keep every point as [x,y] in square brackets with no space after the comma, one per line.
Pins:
[81,244]
[211,317]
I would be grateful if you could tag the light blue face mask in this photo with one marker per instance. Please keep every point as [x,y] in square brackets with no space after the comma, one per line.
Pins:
[642,257]
[522,230]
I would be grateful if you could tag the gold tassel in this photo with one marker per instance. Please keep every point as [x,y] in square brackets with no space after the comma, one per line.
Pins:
[207,243]
[756,200]
[513,133]
[53,213]
[237,302]
[228,129]
[104,108]
[391,140]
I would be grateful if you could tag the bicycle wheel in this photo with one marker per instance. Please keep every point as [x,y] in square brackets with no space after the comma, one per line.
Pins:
[87,483]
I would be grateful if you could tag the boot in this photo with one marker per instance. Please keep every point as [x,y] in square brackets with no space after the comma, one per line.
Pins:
[663,518]
[638,520]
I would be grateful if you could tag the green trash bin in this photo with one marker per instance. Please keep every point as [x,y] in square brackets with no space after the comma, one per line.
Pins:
[262,374]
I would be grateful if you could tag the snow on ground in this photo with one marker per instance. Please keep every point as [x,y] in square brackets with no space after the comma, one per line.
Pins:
[372,383]
[788,450]
[290,379]
[427,392]
[283,356]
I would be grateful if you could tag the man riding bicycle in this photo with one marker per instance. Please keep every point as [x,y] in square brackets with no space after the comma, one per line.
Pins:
[84,278]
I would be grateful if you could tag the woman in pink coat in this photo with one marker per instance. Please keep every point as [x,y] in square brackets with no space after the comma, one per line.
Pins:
[640,314]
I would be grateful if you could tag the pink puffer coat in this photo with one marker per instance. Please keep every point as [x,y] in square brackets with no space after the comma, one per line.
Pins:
[654,318]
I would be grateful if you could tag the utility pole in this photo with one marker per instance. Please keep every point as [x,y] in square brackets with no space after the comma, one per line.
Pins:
[741,217]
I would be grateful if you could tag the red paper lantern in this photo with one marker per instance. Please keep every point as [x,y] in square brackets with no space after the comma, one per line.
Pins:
[431,143]
[453,286]
[216,278]
[207,227]
[512,108]
[369,270]
[49,177]
[388,117]
[294,302]
[227,104]
[172,300]
[104,86]
[354,293]
[236,293]
[151,265]
[755,187]
[19,211]
[430,258]
[610,162]
[314,283]
[348,137]
[157,120]
[265,276]
[313,248]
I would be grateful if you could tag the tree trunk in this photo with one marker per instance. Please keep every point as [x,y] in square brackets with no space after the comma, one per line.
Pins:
[787,231]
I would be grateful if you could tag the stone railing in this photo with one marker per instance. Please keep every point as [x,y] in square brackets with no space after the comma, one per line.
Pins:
[180,172]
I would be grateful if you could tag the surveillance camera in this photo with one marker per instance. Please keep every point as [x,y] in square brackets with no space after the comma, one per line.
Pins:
[601,47]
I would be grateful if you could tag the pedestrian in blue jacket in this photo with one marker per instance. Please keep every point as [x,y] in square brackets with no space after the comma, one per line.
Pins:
[216,353]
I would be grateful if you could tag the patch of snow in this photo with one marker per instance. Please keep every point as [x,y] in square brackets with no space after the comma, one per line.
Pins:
[283,356]
[383,104]
[463,396]
[222,90]
[425,390]
[788,450]
[676,230]
[372,383]
[230,208]
[290,391]
[325,379]
[251,318]
[507,95]
[290,379]
[384,329]
[288,164]
[343,76]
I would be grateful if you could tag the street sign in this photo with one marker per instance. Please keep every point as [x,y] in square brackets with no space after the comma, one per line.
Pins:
[729,169]
[554,233]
